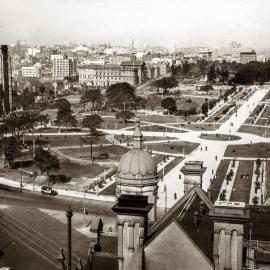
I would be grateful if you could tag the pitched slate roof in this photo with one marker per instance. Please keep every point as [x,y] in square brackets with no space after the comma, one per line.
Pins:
[183,213]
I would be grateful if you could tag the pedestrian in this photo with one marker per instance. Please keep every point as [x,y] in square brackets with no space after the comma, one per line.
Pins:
[175,196]
[216,157]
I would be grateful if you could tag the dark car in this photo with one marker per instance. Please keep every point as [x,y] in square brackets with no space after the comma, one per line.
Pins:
[47,190]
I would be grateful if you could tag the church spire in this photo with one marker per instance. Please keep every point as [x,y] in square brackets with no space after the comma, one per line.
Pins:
[137,136]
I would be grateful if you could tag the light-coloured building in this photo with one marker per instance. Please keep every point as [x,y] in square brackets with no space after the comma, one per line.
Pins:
[247,56]
[63,66]
[33,71]
[235,51]
[104,76]
[204,53]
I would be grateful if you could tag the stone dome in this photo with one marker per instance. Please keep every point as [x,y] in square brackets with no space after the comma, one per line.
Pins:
[137,164]
[137,168]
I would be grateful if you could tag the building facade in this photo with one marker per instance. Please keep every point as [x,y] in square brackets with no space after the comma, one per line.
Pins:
[33,71]
[104,76]
[248,56]
[63,66]
[235,51]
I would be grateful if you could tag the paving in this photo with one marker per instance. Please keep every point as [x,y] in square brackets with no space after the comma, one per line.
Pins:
[210,152]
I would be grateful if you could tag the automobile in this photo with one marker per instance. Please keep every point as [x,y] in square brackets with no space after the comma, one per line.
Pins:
[47,190]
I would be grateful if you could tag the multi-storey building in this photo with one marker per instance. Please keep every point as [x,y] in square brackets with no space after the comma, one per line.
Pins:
[247,56]
[33,71]
[133,72]
[235,51]
[63,66]
[104,76]
[204,53]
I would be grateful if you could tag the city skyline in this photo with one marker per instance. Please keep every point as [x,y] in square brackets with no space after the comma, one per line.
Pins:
[180,23]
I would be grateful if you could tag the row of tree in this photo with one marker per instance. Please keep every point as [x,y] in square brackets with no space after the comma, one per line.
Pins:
[234,73]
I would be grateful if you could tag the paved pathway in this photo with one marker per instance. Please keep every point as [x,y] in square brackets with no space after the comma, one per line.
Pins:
[210,152]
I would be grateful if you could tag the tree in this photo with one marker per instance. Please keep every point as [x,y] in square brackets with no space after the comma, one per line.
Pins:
[64,114]
[42,91]
[125,115]
[153,101]
[185,68]
[203,64]
[43,119]
[45,161]
[211,75]
[205,108]
[11,147]
[119,94]
[169,104]
[94,96]
[165,83]
[26,99]
[92,122]
[224,74]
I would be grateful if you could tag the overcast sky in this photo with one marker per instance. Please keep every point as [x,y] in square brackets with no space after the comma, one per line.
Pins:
[212,23]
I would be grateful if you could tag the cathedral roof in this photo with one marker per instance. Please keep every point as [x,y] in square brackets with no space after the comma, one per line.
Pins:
[183,213]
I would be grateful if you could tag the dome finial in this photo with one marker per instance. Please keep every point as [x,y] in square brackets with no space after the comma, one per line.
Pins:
[137,135]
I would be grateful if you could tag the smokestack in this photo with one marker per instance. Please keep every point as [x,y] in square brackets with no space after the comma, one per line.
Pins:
[5,81]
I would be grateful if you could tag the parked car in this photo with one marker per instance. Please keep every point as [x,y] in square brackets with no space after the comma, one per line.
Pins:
[47,190]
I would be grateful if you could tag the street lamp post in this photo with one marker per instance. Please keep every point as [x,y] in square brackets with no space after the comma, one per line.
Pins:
[84,212]
[69,215]
[21,177]
[165,191]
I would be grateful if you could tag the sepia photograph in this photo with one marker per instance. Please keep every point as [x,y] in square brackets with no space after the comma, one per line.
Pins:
[134,134]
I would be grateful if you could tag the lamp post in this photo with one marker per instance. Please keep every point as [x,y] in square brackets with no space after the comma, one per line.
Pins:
[21,177]
[165,191]
[84,212]
[69,215]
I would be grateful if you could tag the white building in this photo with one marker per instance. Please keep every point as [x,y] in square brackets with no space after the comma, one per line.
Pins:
[32,71]
[63,66]
[235,51]
[33,51]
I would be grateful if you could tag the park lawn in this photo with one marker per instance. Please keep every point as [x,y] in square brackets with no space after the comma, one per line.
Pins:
[261,122]
[173,147]
[114,151]
[268,175]
[241,187]
[168,118]
[61,140]
[202,126]
[256,150]
[220,137]
[76,170]
[170,166]
[112,123]
[219,114]
[127,138]
[266,112]
[161,118]
[160,129]
[260,131]
[220,175]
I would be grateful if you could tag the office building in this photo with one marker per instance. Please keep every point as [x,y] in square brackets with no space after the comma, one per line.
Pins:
[33,71]
[235,51]
[63,66]
[248,56]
